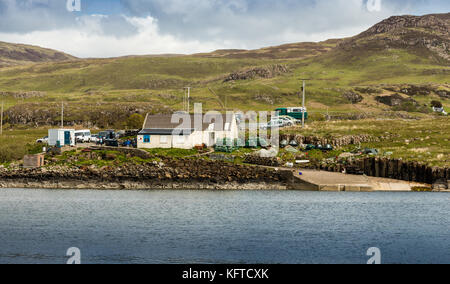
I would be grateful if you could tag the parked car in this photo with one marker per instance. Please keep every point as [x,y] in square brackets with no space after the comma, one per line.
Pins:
[112,142]
[290,121]
[82,136]
[43,140]
[274,123]
[107,134]
[94,138]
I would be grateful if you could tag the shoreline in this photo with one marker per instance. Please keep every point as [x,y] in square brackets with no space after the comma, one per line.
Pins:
[163,185]
[183,185]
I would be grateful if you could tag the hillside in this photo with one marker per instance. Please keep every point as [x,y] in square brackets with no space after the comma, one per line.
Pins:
[427,36]
[20,54]
[350,78]
[287,51]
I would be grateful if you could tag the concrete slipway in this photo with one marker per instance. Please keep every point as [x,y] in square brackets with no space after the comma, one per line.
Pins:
[330,181]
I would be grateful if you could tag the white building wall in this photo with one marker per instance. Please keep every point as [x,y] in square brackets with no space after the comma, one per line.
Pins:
[171,141]
[156,141]
[189,142]
[55,135]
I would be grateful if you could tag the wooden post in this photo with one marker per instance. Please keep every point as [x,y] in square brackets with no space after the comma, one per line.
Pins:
[1,120]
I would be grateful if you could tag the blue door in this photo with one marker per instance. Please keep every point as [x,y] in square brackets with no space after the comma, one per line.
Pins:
[67,138]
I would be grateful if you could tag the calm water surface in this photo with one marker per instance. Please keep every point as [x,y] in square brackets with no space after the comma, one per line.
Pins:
[38,226]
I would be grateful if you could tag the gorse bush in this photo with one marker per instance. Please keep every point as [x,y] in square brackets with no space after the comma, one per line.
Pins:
[11,152]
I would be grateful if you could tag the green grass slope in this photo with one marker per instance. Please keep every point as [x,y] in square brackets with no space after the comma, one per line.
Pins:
[398,51]
[21,54]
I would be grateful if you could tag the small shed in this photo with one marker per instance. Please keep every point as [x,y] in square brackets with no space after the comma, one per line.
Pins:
[61,137]
[33,161]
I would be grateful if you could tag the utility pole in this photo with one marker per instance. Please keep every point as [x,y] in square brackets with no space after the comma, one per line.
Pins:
[62,115]
[187,99]
[303,104]
[1,120]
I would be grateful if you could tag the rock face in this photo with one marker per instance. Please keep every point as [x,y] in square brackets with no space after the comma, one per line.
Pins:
[23,95]
[395,100]
[102,115]
[353,97]
[262,161]
[427,33]
[259,72]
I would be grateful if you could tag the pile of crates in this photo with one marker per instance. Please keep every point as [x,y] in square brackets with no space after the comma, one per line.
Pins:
[256,143]
[226,145]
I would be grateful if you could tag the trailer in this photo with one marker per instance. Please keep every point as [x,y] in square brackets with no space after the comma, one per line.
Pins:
[61,137]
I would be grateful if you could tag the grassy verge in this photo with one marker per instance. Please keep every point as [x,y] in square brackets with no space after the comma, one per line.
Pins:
[425,140]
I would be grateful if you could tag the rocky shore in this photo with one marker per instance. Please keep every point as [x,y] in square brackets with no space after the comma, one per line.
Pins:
[164,174]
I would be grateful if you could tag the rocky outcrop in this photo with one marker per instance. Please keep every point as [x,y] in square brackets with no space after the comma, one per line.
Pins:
[102,115]
[259,72]
[23,95]
[353,97]
[164,171]
[425,34]
[395,100]
[262,161]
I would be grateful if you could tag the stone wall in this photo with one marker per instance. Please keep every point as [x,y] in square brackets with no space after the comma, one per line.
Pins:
[335,141]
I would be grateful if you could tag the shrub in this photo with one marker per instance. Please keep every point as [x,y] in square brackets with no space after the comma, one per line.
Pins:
[436,104]
[135,121]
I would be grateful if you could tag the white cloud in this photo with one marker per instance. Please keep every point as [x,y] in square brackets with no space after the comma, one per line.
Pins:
[89,39]
[191,26]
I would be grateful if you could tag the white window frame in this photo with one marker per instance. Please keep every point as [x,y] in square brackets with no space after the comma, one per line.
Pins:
[180,139]
[163,139]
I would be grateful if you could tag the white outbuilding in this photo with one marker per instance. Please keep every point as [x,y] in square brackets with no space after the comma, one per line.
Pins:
[61,137]
[185,131]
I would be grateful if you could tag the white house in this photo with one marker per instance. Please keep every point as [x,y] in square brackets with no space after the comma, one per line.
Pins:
[185,131]
[61,137]
[440,110]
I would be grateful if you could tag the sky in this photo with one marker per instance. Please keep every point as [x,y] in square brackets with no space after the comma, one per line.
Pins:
[110,28]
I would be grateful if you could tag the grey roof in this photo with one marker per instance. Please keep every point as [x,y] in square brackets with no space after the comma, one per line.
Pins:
[186,121]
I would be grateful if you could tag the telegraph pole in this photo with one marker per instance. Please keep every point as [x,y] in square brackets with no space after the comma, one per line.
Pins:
[1,120]
[62,115]
[303,105]
[187,99]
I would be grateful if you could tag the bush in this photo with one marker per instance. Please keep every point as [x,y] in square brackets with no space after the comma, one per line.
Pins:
[11,152]
[135,121]
[436,104]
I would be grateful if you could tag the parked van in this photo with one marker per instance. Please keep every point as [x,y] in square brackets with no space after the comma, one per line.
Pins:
[83,136]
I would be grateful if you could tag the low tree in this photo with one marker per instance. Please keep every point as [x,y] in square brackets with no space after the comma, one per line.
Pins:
[135,121]
[436,104]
